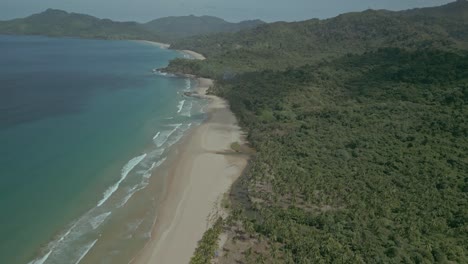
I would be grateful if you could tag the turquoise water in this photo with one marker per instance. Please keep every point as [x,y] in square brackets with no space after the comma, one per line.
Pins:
[82,124]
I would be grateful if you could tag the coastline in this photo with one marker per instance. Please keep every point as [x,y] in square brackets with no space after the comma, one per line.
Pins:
[195,55]
[200,173]
[161,45]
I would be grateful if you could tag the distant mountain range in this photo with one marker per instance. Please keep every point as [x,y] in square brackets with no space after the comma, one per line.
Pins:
[53,22]
[187,26]
[281,45]
[60,23]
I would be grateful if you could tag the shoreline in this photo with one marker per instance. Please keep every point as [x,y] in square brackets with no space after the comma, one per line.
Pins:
[159,44]
[199,170]
[199,177]
[193,54]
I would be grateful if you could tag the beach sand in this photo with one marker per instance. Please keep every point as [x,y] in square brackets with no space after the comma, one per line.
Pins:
[159,44]
[195,55]
[202,171]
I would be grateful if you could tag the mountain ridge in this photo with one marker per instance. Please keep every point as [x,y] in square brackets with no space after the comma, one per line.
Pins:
[281,45]
[60,23]
[176,27]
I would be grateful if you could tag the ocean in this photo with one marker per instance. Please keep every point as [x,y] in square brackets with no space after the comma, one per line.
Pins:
[83,125]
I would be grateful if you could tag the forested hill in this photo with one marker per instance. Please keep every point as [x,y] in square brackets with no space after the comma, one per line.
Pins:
[281,45]
[59,23]
[172,28]
[360,126]
[362,159]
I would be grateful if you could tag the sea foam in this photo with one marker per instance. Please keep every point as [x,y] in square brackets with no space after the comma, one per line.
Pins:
[86,250]
[187,111]
[125,170]
[98,220]
[157,135]
[147,174]
[164,136]
[41,260]
[180,106]
[165,74]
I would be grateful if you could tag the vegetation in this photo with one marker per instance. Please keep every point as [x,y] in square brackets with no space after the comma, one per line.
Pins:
[280,45]
[362,159]
[361,131]
[236,147]
[57,23]
[208,244]
[360,126]
[173,28]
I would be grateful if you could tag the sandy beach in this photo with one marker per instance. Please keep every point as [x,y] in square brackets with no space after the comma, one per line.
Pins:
[195,55]
[200,174]
[159,44]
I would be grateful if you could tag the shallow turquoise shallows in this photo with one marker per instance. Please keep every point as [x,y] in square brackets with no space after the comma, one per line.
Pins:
[77,118]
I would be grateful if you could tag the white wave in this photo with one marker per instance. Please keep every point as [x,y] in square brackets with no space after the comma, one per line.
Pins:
[132,191]
[150,158]
[187,111]
[53,245]
[177,126]
[165,135]
[188,84]
[175,139]
[125,170]
[159,163]
[41,260]
[157,135]
[156,153]
[98,220]
[165,74]
[85,252]
[65,235]
[147,175]
[126,199]
[180,106]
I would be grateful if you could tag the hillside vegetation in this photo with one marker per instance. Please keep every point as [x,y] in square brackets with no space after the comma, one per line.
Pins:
[173,28]
[58,23]
[281,45]
[362,159]
[360,124]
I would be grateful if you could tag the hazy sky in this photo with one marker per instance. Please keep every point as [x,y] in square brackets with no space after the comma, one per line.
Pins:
[232,10]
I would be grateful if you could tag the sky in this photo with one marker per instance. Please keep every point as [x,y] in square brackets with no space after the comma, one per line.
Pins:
[231,10]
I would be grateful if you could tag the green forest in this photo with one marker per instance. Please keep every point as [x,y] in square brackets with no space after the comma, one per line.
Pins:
[360,126]
[363,159]
[280,45]
[59,23]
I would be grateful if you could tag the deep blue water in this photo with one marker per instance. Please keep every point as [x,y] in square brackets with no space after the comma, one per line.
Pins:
[75,116]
